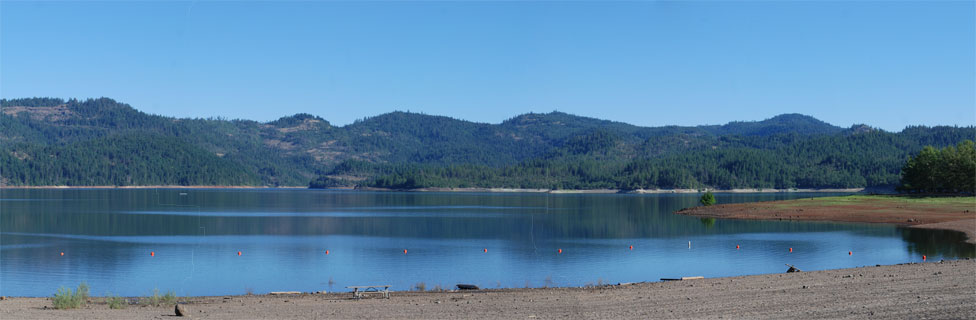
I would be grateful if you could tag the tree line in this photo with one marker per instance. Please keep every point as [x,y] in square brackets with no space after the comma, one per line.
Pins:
[947,170]
[871,160]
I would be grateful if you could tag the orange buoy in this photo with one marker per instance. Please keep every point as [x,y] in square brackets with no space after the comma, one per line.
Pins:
[152,253]
[631,247]
[62,253]
[791,249]
[404,251]
[486,250]
[326,251]
[923,257]
[560,250]
[736,247]
[238,253]
[850,252]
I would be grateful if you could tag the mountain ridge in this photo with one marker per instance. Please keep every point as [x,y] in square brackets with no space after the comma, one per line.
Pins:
[29,104]
[299,148]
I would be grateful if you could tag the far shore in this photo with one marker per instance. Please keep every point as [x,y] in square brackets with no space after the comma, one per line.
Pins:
[935,290]
[152,187]
[611,191]
[945,213]
[485,190]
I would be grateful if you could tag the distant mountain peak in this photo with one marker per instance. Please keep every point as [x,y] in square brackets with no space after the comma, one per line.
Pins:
[558,118]
[295,119]
[300,122]
[783,123]
[56,112]
[32,102]
[55,109]
[793,116]
[861,128]
[400,117]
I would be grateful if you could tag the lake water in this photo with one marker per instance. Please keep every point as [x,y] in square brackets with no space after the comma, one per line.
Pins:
[283,236]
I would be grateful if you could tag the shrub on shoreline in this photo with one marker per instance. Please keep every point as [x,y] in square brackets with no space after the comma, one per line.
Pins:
[116,302]
[66,299]
[707,199]
[156,299]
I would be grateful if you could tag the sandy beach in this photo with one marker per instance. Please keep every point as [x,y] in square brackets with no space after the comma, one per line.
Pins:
[934,290]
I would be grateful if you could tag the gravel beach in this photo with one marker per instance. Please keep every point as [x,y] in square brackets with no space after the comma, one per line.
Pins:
[933,290]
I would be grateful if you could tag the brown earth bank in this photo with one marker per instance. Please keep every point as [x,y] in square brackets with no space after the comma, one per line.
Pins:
[940,290]
[947,213]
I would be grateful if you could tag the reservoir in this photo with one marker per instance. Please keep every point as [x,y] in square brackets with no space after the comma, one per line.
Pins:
[236,241]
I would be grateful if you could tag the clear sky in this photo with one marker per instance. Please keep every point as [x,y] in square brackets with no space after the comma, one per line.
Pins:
[887,64]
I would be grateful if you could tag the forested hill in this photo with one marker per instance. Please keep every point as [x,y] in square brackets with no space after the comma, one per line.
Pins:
[49,141]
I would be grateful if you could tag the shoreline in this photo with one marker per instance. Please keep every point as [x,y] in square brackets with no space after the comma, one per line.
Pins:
[904,291]
[150,187]
[894,210]
[611,191]
[473,190]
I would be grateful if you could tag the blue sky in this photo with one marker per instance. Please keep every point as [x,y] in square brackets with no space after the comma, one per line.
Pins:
[887,64]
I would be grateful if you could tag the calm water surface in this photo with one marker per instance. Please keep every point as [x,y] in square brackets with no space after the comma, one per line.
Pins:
[283,235]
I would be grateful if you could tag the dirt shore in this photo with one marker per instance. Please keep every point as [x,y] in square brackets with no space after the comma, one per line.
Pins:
[912,291]
[956,214]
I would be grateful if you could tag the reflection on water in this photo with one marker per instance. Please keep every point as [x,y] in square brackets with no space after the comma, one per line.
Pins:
[944,243]
[107,234]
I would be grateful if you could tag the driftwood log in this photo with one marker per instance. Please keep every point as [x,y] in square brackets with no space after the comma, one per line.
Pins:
[683,278]
[792,269]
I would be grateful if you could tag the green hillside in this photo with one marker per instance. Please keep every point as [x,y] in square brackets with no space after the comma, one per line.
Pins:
[49,141]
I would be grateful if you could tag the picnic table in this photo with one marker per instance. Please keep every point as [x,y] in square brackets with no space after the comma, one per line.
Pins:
[359,291]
